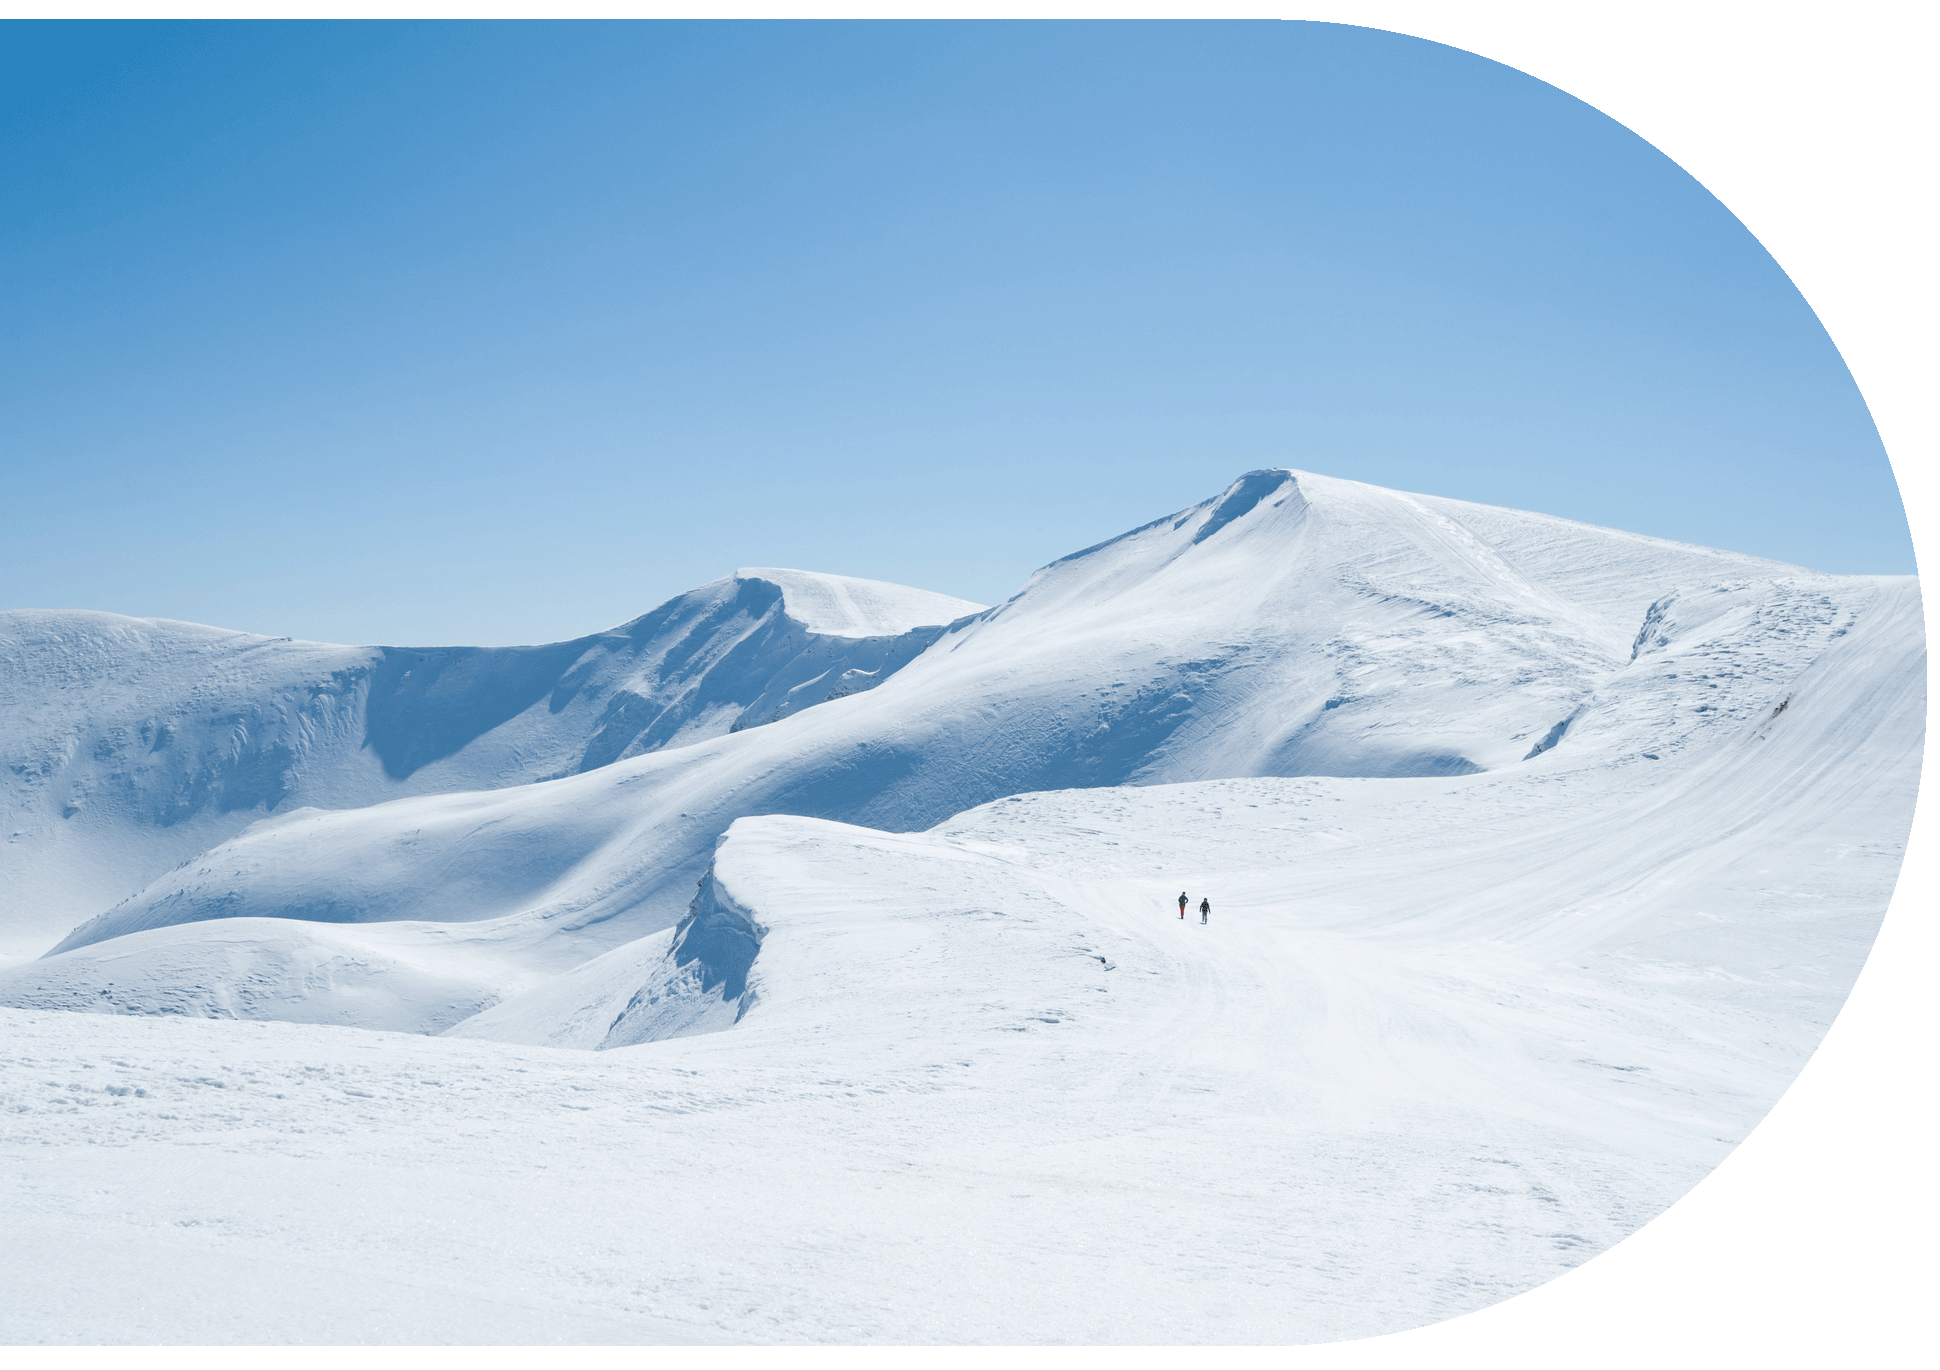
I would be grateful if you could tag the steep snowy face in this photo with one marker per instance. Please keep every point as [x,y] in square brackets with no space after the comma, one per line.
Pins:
[1296,625]
[750,649]
[134,743]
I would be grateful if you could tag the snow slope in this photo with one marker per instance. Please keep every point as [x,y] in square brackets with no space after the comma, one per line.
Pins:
[904,1071]
[133,744]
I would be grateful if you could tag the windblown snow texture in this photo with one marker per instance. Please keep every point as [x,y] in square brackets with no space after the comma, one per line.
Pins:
[1543,856]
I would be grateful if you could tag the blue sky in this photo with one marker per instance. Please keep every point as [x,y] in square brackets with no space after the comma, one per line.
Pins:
[498,333]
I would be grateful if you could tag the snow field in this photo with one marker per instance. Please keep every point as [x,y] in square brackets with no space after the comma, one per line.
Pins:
[1080,1189]
[992,1058]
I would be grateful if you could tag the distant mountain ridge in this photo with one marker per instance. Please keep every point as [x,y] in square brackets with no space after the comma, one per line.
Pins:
[133,743]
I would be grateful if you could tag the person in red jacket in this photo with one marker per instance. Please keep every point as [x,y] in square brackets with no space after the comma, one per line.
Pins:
[1182,903]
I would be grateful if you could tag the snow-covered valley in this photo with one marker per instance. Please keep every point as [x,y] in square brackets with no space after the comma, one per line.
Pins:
[836,990]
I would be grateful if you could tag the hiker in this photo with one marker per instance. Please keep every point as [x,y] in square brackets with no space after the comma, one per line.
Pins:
[1182,903]
[1205,907]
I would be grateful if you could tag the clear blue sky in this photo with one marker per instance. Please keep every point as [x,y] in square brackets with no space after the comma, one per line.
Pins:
[429,333]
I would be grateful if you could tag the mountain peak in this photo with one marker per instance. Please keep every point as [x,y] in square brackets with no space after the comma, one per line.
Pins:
[849,606]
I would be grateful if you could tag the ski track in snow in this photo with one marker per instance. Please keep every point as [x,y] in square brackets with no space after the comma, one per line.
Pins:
[1448,1033]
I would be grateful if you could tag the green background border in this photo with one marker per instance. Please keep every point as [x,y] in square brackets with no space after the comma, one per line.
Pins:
[1814,125]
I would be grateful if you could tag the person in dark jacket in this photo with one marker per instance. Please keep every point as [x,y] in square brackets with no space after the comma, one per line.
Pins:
[1182,903]
[1205,908]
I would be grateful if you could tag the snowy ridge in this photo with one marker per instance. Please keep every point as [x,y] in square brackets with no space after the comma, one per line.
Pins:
[847,606]
[134,744]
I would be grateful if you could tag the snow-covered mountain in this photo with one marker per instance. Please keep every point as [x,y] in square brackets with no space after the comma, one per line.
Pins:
[133,744]
[1295,625]
[1540,857]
